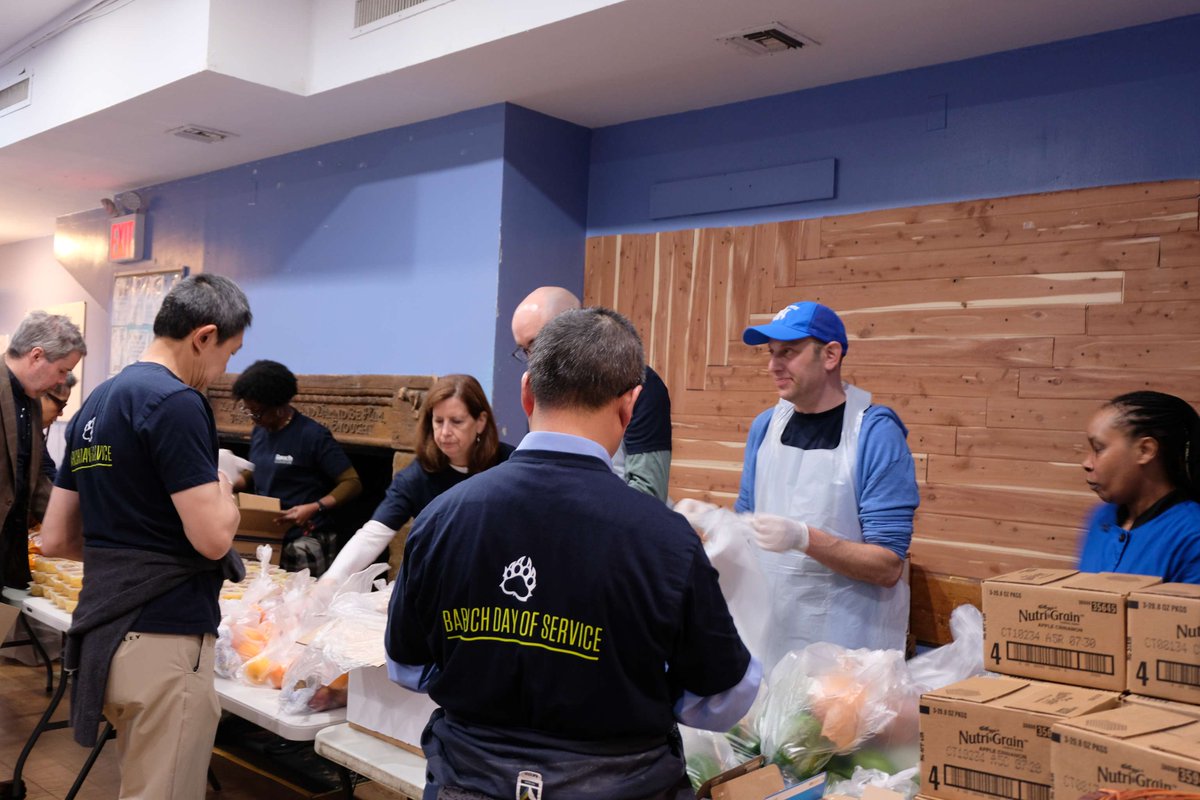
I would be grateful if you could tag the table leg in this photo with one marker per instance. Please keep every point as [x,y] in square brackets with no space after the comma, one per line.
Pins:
[105,735]
[41,651]
[15,789]
[347,778]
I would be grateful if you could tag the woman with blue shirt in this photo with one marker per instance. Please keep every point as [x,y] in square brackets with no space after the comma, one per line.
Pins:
[1144,463]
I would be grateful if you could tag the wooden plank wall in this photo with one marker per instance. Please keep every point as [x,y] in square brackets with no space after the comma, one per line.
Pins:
[993,327]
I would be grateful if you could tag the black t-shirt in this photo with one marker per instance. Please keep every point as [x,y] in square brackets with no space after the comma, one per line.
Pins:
[550,596]
[820,431]
[413,488]
[298,464]
[140,437]
[650,426]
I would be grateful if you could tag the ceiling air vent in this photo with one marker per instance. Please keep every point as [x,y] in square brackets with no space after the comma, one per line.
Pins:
[377,13]
[14,96]
[767,40]
[198,133]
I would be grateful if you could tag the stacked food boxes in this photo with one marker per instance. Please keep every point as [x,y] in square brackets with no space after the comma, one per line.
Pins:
[1104,670]
[58,580]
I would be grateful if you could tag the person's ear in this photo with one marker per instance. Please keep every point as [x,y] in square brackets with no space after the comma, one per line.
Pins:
[832,355]
[526,395]
[481,423]
[626,403]
[1145,450]
[204,336]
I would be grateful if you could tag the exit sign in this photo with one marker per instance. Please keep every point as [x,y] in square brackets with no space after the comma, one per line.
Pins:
[126,236]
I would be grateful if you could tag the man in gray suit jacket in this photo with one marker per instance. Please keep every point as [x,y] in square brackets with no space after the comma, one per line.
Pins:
[42,351]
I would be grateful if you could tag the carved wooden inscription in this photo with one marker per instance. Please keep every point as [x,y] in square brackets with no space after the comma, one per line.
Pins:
[372,410]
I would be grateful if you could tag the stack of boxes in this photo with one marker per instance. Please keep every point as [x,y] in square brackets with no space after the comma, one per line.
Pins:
[1104,692]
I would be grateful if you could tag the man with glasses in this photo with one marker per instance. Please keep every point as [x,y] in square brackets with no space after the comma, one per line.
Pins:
[644,458]
[42,352]
[54,403]
[564,624]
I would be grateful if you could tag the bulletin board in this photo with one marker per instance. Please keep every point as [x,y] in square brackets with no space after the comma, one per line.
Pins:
[136,299]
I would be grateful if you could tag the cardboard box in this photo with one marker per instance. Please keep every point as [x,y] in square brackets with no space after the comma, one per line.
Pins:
[1132,747]
[258,516]
[756,785]
[1186,709]
[1164,641]
[990,737]
[1059,625]
[377,706]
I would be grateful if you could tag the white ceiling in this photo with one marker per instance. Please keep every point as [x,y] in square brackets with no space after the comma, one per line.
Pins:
[631,60]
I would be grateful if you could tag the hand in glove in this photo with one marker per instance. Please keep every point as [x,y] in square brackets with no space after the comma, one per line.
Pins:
[233,466]
[779,534]
[697,513]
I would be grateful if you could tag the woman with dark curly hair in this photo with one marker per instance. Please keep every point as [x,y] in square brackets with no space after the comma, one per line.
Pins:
[297,460]
[1144,463]
[456,438]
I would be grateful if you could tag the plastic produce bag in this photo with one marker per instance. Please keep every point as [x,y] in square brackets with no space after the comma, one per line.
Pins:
[824,700]
[903,782]
[729,545]
[350,637]
[707,755]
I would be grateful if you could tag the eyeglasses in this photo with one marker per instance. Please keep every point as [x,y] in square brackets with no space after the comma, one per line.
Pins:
[521,354]
[58,401]
[246,412]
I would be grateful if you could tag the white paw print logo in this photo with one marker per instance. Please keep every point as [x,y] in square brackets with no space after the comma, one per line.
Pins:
[519,579]
[89,429]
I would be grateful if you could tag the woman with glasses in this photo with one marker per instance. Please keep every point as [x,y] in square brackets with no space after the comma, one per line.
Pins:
[456,438]
[296,460]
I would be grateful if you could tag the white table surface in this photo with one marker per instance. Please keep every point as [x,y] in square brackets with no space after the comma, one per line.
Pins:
[45,612]
[373,758]
[260,705]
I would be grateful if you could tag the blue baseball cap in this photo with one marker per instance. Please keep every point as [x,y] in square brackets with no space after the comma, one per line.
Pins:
[799,321]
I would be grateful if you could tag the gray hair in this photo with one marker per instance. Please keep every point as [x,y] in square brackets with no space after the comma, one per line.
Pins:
[54,333]
[585,358]
[200,300]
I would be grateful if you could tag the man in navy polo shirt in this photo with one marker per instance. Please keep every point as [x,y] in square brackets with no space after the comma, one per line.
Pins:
[644,457]
[140,501]
[563,622]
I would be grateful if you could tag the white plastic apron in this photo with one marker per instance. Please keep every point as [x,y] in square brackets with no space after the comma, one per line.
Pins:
[809,601]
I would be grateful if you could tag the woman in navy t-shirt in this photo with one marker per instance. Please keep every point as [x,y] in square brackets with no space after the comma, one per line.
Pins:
[296,460]
[1144,463]
[456,438]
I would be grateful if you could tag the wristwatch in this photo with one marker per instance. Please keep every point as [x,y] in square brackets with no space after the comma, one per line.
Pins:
[321,507]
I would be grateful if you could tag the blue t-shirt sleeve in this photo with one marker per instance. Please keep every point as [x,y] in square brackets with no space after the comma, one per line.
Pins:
[180,437]
[400,500]
[887,482]
[754,440]
[649,428]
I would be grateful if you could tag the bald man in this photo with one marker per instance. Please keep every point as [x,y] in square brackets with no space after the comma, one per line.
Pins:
[644,458]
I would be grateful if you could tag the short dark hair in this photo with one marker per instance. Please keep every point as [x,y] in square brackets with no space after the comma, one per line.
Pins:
[585,358]
[266,382]
[1174,424]
[54,333]
[200,300]
[468,390]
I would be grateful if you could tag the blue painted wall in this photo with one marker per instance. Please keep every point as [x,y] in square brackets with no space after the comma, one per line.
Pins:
[542,234]
[1113,108]
[376,254]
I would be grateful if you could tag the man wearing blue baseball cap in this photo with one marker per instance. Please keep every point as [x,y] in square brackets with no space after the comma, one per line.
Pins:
[831,484]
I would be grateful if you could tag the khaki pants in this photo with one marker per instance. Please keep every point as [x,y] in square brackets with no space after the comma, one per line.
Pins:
[161,700]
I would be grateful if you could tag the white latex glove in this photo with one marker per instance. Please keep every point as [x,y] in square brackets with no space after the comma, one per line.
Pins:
[779,534]
[233,466]
[364,547]
[697,513]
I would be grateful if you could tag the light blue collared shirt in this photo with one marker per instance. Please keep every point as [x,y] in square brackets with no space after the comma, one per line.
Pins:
[565,443]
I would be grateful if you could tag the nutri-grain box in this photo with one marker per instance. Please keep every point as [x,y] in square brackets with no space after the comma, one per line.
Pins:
[1059,625]
[1164,641]
[989,738]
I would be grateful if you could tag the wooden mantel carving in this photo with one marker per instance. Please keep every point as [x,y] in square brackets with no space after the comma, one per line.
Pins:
[373,410]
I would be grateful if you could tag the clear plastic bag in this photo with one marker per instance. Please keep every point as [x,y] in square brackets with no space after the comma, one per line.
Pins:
[903,782]
[707,754]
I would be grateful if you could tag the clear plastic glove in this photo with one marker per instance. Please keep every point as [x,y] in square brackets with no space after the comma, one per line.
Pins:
[233,466]
[697,513]
[779,534]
